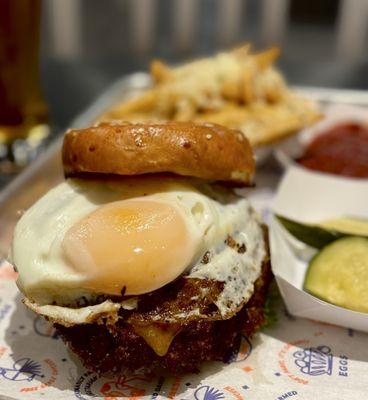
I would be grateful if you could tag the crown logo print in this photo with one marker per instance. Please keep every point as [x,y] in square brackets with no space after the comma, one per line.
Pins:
[314,361]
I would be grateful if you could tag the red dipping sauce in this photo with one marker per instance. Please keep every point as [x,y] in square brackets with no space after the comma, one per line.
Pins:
[341,150]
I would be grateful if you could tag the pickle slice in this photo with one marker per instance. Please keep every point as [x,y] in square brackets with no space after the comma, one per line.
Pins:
[348,225]
[339,273]
[320,234]
[312,235]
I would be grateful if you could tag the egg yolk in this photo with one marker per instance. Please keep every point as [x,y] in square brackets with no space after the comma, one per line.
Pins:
[134,246]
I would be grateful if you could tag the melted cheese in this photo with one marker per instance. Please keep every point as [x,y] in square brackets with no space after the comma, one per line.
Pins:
[158,337]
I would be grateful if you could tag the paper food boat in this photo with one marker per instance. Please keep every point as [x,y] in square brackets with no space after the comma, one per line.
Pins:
[308,196]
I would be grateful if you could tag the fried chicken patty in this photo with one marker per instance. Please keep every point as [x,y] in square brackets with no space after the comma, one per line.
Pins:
[113,348]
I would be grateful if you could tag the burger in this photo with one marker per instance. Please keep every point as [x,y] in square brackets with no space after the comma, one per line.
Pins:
[145,257]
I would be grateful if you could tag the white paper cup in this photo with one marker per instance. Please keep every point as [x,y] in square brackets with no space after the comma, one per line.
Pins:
[308,197]
[290,149]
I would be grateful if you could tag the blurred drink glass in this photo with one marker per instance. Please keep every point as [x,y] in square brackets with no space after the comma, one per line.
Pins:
[23,112]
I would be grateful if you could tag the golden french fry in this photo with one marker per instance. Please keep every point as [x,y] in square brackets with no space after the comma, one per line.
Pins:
[185,111]
[160,72]
[142,103]
[270,86]
[270,123]
[255,71]
[264,123]
[236,89]
[231,90]
[133,117]
[267,58]
[242,51]
[230,115]
[247,85]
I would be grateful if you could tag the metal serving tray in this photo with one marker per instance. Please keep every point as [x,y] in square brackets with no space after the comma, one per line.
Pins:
[46,171]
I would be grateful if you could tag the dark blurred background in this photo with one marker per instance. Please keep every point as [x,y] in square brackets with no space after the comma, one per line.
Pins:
[87,44]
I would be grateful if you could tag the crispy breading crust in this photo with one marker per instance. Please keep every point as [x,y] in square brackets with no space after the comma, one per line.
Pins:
[202,150]
[112,349]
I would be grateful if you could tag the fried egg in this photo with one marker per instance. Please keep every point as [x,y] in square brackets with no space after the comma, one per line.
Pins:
[87,238]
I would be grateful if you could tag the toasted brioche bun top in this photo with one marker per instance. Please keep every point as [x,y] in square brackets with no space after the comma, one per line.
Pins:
[206,151]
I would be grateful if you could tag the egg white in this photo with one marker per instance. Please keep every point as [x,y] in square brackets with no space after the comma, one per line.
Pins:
[46,276]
